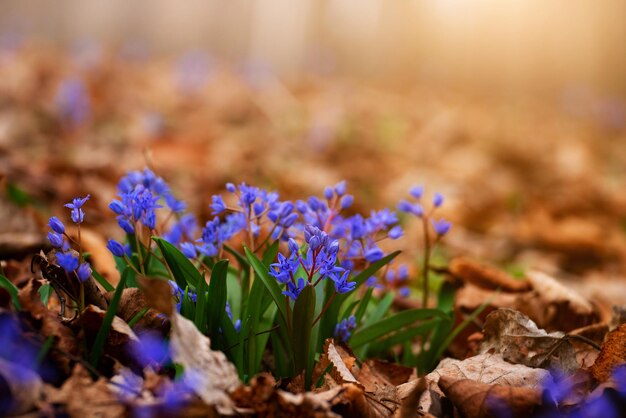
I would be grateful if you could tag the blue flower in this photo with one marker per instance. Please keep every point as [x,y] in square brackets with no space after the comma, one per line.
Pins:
[437,200]
[188,249]
[84,272]
[408,207]
[56,225]
[396,232]
[373,254]
[67,261]
[118,249]
[340,188]
[77,212]
[185,228]
[285,268]
[343,330]
[341,282]
[294,291]
[56,240]
[404,292]
[441,227]
[346,201]
[218,206]
[72,101]
[417,191]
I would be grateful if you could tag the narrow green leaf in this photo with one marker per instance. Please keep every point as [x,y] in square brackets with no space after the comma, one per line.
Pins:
[200,315]
[217,297]
[380,311]
[183,270]
[360,311]
[403,335]
[137,317]
[103,332]
[103,282]
[385,326]
[272,286]
[10,287]
[303,311]
[241,259]
[44,293]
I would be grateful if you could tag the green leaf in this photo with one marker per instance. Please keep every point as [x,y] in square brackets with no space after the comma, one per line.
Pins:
[385,326]
[44,293]
[185,273]
[137,317]
[200,315]
[360,311]
[10,287]
[103,332]
[380,310]
[272,286]
[241,259]
[403,335]
[217,297]
[303,311]
[103,282]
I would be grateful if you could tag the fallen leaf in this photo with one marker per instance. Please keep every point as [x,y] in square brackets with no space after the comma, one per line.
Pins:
[81,397]
[132,302]
[158,294]
[49,325]
[613,354]
[208,373]
[20,389]
[99,256]
[518,339]
[553,306]
[474,399]
[485,276]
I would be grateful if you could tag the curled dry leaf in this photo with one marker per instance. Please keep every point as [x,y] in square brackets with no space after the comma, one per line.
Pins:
[554,306]
[158,294]
[99,256]
[49,324]
[81,397]
[474,399]
[20,389]
[485,276]
[208,373]
[485,368]
[613,354]
[518,339]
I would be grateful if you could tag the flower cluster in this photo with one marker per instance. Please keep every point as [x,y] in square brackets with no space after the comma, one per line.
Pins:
[257,207]
[441,226]
[319,263]
[60,241]
[343,330]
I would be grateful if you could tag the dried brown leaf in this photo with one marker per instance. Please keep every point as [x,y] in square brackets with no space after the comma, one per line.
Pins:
[207,372]
[474,399]
[158,294]
[520,341]
[84,398]
[613,354]
[485,276]
[132,302]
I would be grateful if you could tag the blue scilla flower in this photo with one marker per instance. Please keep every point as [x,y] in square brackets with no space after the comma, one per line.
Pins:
[441,226]
[151,349]
[373,254]
[417,191]
[188,249]
[78,215]
[184,229]
[72,101]
[285,269]
[293,290]
[56,225]
[84,272]
[412,208]
[218,206]
[437,200]
[68,261]
[343,330]
[118,249]
[56,240]
[342,285]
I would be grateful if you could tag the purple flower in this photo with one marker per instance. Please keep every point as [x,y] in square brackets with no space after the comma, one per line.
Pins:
[408,207]
[441,227]
[72,101]
[396,232]
[417,191]
[56,240]
[231,187]
[341,282]
[84,272]
[77,212]
[218,206]
[343,330]
[67,261]
[373,254]
[56,225]
[346,201]
[294,291]
[328,193]
[118,249]
[340,188]
[188,249]
[437,200]
[404,292]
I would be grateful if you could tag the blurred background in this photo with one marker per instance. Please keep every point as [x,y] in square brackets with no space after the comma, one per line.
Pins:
[514,109]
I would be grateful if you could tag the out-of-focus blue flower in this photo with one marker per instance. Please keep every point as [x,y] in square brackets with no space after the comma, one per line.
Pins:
[118,249]
[412,208]
[56,225]
[373,254]
[403,272]
[184,229]
[78,215]
[396,232]
[188,249]
[340,188]
[56,240]
[67,261]
[404,292]
[437,200]
[192,71]
[441,226]
[84,272]
[346,201]
[151,349]
[343,330]
[218,206]
[417,191]
[72,102]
